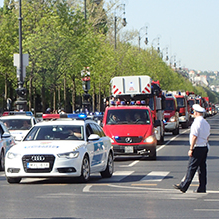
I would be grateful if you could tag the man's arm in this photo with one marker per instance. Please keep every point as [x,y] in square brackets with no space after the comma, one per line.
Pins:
[193,141]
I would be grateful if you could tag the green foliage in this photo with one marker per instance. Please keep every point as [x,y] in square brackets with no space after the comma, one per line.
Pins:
[60,44]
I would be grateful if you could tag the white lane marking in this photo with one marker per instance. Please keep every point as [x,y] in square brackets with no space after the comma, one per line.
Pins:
[161,147]
[206,209]
[155,176]
[87,188]
[158,149]
[118,176]
[133,163]
[195,179]
[211,200]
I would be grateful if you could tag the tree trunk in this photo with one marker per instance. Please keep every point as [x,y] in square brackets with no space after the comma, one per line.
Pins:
[59,98]
[54,100]
[73,94]
[99,101]
[93,99]
[6,87]
[43,97]
[65,99]
[30,93]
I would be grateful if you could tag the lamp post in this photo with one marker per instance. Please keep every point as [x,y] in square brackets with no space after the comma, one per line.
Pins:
[139,37]
[166,58]
[21,91]
[158,43]
[174,64]
[115,23]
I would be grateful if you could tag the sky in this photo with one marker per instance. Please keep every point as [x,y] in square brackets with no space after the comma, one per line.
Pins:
[188,28]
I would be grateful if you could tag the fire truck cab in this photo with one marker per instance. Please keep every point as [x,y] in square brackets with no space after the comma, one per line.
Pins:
[171,115]
[184,115]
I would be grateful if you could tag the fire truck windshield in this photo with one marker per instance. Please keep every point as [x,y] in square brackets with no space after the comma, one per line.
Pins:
[180,102]
[151,103]
[169,105]
[191,102]
[197,101]
[128,116]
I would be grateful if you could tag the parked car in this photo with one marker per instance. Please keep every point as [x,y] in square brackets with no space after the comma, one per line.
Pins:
[18,124]
[61,148]
[6,142]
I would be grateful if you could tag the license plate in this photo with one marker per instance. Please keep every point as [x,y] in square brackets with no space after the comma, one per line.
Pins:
[129,149]
[37,165]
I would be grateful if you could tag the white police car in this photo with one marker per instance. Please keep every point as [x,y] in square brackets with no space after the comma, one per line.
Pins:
[18,123]
[61,148]
[6,142]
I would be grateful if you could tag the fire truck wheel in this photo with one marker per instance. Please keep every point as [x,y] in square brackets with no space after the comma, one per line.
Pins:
[153,155]
[161,141]
[176,131]
[186,125]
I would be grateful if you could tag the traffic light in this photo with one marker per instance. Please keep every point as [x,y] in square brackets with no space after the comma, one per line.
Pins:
[21,92]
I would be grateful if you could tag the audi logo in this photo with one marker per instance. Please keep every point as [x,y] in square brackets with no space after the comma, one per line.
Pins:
[128,140]
[37,158]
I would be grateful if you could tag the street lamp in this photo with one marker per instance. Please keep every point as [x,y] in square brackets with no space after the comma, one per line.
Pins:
[139,37]
[158,43]
[166,57]
[174,64]
[124,23]
[21,91]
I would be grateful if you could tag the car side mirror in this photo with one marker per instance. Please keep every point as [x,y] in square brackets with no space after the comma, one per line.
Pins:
[6,135]
[93,137]
[157,123]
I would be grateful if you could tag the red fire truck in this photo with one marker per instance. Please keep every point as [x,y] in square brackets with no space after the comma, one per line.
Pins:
[184,115]
[134,119]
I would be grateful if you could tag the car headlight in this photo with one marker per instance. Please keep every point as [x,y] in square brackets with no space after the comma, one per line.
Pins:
[173,119]
[112,141]
[11,155]
[183,118]
[69,155]
[150,139]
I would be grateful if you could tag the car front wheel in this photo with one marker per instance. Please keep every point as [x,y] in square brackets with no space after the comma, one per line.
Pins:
[13,180]
[2,161]
[85,169]
[108,172]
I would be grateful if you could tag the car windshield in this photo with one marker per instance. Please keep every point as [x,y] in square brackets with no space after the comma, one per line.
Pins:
[128,116]
[17,124]
[56,132]
[169,105]
[197,101]
[180,102]
[191,103]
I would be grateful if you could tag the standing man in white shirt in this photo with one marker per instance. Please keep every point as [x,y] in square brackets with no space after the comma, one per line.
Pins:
[199,134]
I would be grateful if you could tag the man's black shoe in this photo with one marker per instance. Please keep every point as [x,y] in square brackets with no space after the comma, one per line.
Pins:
[178,187]
[197,191]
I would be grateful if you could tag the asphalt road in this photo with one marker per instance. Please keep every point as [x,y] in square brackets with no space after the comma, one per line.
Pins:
[139,188]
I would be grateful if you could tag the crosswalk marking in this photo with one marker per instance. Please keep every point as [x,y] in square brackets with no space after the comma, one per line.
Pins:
[118,176]
[155,176]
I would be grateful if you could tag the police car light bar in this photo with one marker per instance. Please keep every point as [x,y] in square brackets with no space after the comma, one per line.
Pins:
[51,116]
[8,113]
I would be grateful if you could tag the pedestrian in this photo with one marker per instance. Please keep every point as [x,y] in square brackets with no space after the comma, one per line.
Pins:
[48,111]
[199,134]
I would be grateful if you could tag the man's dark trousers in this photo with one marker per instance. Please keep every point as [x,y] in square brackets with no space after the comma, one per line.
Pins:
[198,160]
